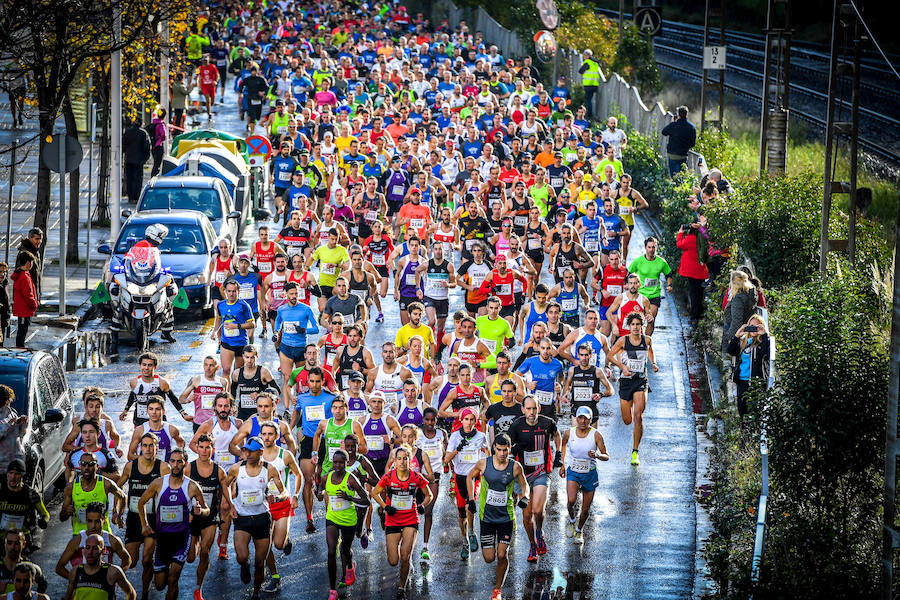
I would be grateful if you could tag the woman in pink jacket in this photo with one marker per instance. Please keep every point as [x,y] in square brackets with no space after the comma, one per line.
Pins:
[689,239]
[25,301]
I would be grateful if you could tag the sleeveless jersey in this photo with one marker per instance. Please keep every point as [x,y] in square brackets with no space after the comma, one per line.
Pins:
[173,507]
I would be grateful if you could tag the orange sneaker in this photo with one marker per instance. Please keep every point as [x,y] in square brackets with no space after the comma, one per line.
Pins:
[198,595]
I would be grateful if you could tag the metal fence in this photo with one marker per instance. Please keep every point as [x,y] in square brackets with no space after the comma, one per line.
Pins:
[477,19]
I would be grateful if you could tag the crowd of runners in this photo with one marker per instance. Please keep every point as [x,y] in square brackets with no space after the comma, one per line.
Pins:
[412,160]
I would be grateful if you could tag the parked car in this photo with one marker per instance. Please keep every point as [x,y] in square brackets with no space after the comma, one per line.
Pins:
[204,194]
[43,395]
[185,252]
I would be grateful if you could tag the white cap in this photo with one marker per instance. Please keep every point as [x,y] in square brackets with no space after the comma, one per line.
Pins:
[584,411]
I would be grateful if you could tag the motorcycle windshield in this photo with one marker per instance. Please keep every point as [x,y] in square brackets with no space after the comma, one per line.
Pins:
[142,264]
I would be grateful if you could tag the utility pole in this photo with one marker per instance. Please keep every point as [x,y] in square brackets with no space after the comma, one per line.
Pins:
[891,537]
[115,128]
[841,130]
[713,60]
[164,69]
[776,89]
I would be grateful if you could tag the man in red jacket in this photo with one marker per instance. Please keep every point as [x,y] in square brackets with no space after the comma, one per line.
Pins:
[25,300]
[695,272]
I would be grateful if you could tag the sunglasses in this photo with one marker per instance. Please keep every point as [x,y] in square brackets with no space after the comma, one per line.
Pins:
[337,322]
[93,463]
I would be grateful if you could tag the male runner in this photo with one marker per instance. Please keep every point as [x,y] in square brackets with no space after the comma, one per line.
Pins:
[584,380]
[95,579]
[94,514]
[650,267]
[168,435]
[248,381]
[210,476]
[585,446]
[148,385]
[202,389]
[546,374]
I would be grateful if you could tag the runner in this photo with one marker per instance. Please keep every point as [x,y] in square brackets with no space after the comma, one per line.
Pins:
[630,353]
[332,341]
[471,274]
[94,514]
[465,449]
[650,267]
[610,282]
[406,283]
[395,494]
[271,293]
[90,430]
[204,388]
[583,380]
[585,446]
[210,476]
[95,579]
[531,436]
[348,305]
[630,301]
[332,259]
[414,327]
[331,433]
[471,349]
[293,323]
[363,279]
[378,247]
[87,487]
[250,510]
[380,431]
[234,318]
[25,576]
[496,505]
[495,332]
[139,473]
[168,435]
[172,496]
[249,380]
[590,335]
[433,443]
[500,415]
[265,411]
[570,294]
[109,438]
[149,385]
[545,374]
[248,290]
[388,378]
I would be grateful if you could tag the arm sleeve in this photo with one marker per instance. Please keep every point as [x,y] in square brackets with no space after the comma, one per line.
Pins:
[667,130]
[174,400]
[312,326]
[583,68]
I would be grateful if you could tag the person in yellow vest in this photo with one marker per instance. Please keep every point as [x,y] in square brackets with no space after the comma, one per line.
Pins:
[278,120]
[590,80]
[194,44]
[89,487]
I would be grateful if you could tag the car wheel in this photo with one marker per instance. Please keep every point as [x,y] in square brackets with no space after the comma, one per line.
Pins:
[37,481]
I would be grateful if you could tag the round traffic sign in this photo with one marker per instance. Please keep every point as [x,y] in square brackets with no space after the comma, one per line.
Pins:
[648,20]
[258,144]
[549,14]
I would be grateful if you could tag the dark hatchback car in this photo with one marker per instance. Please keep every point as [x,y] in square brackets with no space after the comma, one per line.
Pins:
[43,394]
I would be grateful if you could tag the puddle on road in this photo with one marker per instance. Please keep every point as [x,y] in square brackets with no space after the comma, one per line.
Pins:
[558,585]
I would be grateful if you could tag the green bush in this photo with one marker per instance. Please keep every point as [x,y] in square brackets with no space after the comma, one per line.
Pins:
[636,62]
[719,150]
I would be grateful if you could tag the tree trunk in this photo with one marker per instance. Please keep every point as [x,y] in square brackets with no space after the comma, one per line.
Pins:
[42,202]
[103,216]
[74,188]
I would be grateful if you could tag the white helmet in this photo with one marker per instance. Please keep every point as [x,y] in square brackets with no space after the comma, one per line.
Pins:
[156,233]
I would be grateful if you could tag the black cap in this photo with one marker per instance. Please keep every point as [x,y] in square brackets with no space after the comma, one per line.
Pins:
[557,155]
[355,376]
[17,464]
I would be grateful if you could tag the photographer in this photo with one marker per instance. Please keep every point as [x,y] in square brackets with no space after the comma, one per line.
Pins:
[691,240]
[750,347]
[682,136]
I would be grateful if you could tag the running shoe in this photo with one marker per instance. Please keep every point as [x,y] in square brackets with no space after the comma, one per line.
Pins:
[579,537]
[310,526]
[473,543]
[425,555]
[370,535]
[245,573]
[570,528]
[541,544]
[634,458]
[198,595]
[497,595]
[464,552]
[532,554]
[273,585]
[379,318]
[288,546]
[223,552]
[364,540]
[332,595]
[350,577]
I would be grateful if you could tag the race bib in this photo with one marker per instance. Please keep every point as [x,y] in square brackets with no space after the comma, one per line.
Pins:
[636,365]
[224,457]
[220,276]
[469,457]
[625,210]
[336,503]
[278,294]
[591,245]
[246,293]
[141,411]
[361,294]
[171,514]
[207,401]
[256,102]
[208,498]
[581,465]
[349,319]
[315,413]
[332,270]
[8,522]
[561,270]
[248,401]
[231,329]
[375,442]
[379,260]
[534,458]
[284,176]
[544,397]
[520,220]
[345,381]
[417,223]
[614,290]
[504,289]
[264,267]
[398,190]
[132,506]
[432,452]
[355,414]
[491,344]
[477,280]
[282,129]
[649,283]
[252,497]
[371,216]
[81,512]
[290,326]
[569,304]
[410,279]
[582,394]
[161,454]
[402,501]
[535,244]
[496,497]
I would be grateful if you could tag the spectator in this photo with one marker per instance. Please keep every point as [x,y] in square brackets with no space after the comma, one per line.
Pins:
[158,140]
[682,136]
[692,243]
[11,424]
[5,306]
[180,93]
[590,80]
[750,346]
[136,148]
[31,245]
[24,296]
[740,306]
[715,176]
[757,286]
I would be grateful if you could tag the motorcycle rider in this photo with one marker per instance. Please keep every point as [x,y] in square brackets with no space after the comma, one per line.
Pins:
[147,250]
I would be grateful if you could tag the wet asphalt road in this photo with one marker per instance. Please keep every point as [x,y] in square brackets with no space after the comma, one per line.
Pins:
[639,540]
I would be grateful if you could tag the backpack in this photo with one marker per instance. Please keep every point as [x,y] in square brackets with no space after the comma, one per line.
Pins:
[151,133]
[702,249]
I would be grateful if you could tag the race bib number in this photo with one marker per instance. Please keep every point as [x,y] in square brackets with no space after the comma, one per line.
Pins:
[504,289]
[569,304]
[315,413]
[649,283]
[614,290]
[582,394]
[361,294]
[220,276]
[379,260]
[132,506]
[256,102]
[207,400]
[371,216]
[417,223]
[410,279]
[477,280]
[231,329]
[356,414]
[496,497]
[171,514]
[470,244]
[161,454]
[336,503]
[534,458]
[402,501]
[278,294]
[141,411]
[432,452]
[636,365]
[282,129]
[625,210]
[591,245]
[208,498]
[398,190]
[284,176]
[246,293]
[491,344]
[581,465]
[520,220]
[251,497]
[264,267]
[535,244]
[375,442]
[290,326]
[248,401]
[469,457]
[224,458]
[544,397]
[8,522]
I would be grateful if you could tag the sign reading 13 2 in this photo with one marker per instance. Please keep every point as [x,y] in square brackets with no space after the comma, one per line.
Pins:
[714,57]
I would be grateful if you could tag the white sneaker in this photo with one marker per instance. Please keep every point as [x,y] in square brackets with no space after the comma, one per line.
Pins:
[570,528]
[579,537]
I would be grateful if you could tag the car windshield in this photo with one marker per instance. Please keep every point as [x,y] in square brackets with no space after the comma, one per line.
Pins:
[204,200]
[183,238]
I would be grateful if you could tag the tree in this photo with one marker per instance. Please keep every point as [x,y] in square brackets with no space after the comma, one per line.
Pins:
[50,41]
